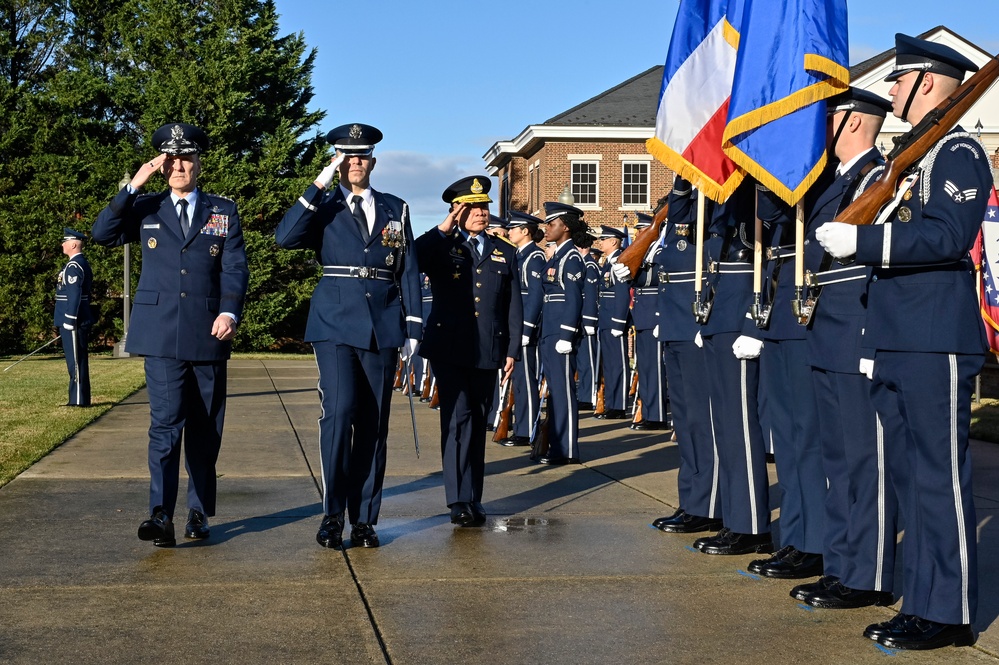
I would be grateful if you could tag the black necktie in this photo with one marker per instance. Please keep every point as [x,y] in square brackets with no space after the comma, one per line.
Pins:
[185,221]
[473,241]
[358,212]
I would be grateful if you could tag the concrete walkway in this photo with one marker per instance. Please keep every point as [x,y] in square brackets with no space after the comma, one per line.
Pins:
[567,570]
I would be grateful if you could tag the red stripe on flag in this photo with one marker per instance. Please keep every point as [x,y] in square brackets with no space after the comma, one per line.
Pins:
[705,150]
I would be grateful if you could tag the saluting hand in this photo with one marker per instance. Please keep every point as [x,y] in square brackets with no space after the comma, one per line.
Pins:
[147,170]
[224,327]
[455,217]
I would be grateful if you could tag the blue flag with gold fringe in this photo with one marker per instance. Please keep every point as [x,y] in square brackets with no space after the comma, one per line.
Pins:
[793,54]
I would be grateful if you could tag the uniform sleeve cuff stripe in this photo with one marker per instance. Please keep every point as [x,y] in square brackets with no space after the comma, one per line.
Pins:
[569,328]
[301,199]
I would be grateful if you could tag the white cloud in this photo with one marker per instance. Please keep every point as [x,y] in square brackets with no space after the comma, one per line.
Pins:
[861,52]
[421,178]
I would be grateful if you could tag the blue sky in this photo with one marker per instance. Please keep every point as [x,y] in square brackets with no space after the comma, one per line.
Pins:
[446,79]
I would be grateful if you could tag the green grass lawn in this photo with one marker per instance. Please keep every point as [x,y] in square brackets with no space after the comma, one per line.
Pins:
[33,419]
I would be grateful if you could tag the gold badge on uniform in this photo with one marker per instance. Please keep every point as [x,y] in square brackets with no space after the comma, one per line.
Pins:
[904,214]
[907,195]
[214,250]
[151,243]
[476,187]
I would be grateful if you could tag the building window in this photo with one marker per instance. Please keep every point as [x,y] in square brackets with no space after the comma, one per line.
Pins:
[531,200]
[585,180]
[505,196]
[635,185]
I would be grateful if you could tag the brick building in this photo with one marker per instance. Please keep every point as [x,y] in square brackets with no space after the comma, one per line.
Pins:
[598,147]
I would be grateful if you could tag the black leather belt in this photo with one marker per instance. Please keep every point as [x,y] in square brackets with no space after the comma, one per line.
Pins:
[358,272]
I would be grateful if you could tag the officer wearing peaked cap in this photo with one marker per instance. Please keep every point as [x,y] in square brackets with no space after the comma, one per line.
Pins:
[561,323]
[73,317]
[615,303]
[588,354]
[189,299]
[366,306]
[474,330]
[924,366]
[524,231]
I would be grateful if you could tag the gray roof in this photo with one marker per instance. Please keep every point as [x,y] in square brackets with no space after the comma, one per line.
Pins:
[630,104]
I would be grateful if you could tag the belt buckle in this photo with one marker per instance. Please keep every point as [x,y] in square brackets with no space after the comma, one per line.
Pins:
[363,272]
[713,267]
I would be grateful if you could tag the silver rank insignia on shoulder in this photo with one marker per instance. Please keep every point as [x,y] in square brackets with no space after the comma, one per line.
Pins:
[904,214]
[681,245]
[151,243]
[390,259]
[214,250]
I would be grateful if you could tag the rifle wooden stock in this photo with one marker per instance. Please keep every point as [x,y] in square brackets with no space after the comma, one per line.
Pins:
[633,255]
[598,407]
[634,384]
[428,386]
[435,399]
[914,144]
[540,436]
[637,418]
[502,430]
[397,380]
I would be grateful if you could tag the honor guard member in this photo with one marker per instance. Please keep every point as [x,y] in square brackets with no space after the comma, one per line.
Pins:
[734,380]
[524,231]
[366,306]
[184,315]
[686,371]
[588,354]
[475,329]
[648,349]
[615,303]
[858,555]
[561,320]
[421,368]
[924,324]
[72,316]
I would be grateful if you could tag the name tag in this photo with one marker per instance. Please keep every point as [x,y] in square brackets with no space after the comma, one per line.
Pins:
[150,226]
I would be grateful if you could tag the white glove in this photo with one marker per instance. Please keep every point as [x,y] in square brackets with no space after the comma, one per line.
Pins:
[747,348]
[589,330]
[617,333]
[698,341]
[325,176]
[838,239]
[525,340]
[563,347]
[408,349]
[621,271]
[68,327]
[655,331]
[867,368]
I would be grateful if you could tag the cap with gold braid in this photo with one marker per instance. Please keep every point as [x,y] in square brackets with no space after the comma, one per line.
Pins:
[473,189]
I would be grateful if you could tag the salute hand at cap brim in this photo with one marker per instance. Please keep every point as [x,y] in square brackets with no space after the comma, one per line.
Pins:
[325,176]
[147,170]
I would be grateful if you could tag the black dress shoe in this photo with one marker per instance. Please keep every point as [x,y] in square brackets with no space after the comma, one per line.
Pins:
[643,425]
[515,441]
[729,542]
[839,597]
[756,566]
[197,525]
[489,427]
[158,529]
[556,461]
[330,532]
[586,406]
[363,535]
[794,565]
[687,523]
[916,633]
[803,591]
[611,414]
[461,514]
[478,512]
[662,520]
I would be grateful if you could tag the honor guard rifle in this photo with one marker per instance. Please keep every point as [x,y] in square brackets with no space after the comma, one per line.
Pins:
[634,254]
[501,428]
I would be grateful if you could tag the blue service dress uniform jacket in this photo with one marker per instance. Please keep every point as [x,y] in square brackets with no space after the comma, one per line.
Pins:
[526,373]
[73,319]
[476,324]
[588,353]
[615,308]
[648,349]
[363,309]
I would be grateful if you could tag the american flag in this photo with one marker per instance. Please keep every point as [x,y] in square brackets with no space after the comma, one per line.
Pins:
[986,257]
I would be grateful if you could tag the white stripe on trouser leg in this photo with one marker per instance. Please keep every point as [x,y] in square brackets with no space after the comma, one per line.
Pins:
[745,437]
[594,370]
[322,414]
[955,479]
[624,374]
[714,472]
[527,391]
[882,489]
[76,368]
[568,403]
[659,382]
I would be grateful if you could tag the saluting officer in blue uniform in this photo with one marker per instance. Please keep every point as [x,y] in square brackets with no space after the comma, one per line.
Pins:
[474,330]
[73,318]
[189,300]
[615,304]
[648,349]
[689,392]
[734,381]
[524,231]
[561,320]
[924,324]
[588,354]
[858,555]
[366,306]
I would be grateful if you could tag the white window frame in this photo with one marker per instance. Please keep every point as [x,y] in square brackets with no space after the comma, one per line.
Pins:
[630,159]
[585,159]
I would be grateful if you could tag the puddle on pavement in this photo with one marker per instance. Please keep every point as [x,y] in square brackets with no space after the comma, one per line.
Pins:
[521,523]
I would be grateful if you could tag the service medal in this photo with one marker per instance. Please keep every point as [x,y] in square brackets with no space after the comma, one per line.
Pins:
[904,214]
[151,243]
[681,245]
[390,259]
[214,250]
[551,274]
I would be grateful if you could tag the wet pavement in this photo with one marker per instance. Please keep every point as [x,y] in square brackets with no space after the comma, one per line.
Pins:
[567,569]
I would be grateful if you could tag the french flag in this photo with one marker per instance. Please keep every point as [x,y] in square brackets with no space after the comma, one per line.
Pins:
[986,257]
[695,95]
